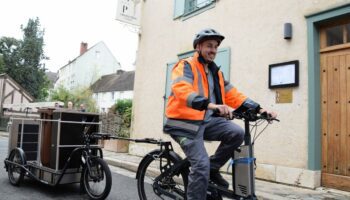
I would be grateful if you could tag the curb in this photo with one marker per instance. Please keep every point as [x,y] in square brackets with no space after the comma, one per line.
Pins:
[122,164]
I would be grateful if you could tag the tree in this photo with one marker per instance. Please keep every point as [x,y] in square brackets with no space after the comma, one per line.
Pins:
[9,48]
[32,54]
[84,96]
[77,96]
[2,64]
[32,46]
[61,94]
[23,59]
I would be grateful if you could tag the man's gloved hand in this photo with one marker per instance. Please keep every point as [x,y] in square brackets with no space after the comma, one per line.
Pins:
[224,110]
[272,114]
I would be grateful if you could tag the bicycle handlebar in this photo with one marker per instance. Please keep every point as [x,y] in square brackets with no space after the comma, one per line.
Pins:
[250,115]
[253,116]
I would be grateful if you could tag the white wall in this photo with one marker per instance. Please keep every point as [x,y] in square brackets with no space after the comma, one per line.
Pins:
[105,100]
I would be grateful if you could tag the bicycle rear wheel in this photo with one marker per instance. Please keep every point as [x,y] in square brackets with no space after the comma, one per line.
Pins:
[98,179]
[152,167]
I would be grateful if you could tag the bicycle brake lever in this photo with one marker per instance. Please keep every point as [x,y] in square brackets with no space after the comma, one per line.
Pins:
[264,115]
[268,117]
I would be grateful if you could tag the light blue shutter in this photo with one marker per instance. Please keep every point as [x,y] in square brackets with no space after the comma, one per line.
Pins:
[223,61]
[185,55]
[167,85]
[179,7]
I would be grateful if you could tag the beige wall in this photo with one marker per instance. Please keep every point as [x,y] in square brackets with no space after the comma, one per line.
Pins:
[17,96]
[254,32]
[12,90]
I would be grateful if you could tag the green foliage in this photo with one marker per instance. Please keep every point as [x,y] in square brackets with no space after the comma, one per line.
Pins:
[77,96]
[123,108]
[84,96]
[122,105]
[2,64]
[32,45]
[9,48]
[23,59]
[61,94]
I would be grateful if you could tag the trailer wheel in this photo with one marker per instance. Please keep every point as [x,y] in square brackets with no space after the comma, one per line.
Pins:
[15,171]
[98,179]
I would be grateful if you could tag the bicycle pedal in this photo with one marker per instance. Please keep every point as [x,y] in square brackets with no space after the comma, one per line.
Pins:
[216,186]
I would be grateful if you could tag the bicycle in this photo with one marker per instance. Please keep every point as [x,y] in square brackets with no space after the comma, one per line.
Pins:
[96,175]
[95,178]
[163,174]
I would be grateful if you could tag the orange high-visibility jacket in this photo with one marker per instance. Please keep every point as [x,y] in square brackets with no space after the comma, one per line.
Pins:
[190,93]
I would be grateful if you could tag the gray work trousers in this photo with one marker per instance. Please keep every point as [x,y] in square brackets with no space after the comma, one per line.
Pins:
[217,129]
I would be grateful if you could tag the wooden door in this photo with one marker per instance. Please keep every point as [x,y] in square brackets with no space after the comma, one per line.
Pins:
[335,104]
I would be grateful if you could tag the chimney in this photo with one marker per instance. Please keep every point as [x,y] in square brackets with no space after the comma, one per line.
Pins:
[83,47]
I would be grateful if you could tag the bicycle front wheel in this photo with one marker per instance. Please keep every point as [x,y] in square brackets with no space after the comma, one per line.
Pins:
[97,179]
[151,168]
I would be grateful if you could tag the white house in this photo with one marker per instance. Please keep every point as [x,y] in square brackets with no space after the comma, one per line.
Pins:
[110,88]
[88,67]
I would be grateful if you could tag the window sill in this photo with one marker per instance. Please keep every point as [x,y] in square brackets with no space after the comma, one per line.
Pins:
[335,47]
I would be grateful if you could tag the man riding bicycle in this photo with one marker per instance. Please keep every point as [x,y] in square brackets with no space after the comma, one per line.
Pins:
[198,90]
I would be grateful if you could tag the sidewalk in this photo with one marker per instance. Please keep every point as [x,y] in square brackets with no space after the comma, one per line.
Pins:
[264,190]
[4,134]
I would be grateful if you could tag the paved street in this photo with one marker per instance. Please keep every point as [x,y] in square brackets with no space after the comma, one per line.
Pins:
[123,188]
[124,184]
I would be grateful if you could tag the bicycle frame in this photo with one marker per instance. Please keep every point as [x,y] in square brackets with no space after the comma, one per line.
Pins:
[166,148]
[243,173]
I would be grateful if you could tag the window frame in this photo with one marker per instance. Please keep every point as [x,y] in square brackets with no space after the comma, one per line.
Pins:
[180,9]
[323,36]
[187,2]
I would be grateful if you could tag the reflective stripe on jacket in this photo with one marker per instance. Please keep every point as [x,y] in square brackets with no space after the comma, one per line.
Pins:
[189,91]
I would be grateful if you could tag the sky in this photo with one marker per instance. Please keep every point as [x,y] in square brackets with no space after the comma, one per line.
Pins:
[67,23]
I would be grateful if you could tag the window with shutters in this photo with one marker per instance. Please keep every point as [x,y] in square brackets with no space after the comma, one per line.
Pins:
[189,8]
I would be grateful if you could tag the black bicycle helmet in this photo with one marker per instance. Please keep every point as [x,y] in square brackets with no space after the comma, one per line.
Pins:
[207,34]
